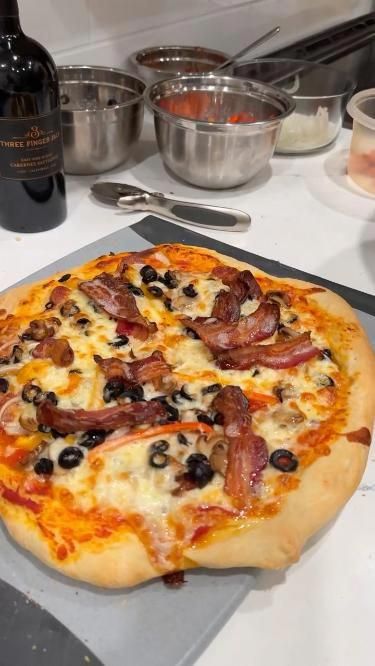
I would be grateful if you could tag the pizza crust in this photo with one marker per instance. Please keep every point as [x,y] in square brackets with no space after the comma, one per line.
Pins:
[124,563]
[271,543]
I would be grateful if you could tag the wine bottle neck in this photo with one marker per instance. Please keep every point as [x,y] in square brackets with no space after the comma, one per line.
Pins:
[9,17]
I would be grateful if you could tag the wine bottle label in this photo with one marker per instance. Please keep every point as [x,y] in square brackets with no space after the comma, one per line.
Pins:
[31,147]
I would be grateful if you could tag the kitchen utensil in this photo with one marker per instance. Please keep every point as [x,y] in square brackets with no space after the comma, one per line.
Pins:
[157,63]
[218,154]
[102,116]
[361,163]
[131,198]
[319,91]
[261,40]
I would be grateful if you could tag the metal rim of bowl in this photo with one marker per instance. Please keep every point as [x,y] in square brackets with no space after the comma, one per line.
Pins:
[350,81]
[133,58]
[139,97]
[271,92]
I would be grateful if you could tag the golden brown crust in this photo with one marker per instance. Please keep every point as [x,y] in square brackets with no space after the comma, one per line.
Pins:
[274,542]
[123,563]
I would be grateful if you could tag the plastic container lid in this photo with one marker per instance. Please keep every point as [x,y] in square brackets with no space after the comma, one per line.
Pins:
[362,108]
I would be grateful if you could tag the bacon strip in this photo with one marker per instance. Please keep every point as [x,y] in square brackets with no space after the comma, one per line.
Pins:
[227,307]
[57,349]
[242,283]
[279,355]
[247,452]
[74,420]
[140,257]
[111,294]
[220,336]
[144,370]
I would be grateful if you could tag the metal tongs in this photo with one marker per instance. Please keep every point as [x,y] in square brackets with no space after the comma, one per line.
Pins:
[132,198]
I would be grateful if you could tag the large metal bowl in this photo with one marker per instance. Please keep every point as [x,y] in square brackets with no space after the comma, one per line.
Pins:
[156,63]
[220,154]
[320,92]
[102,116]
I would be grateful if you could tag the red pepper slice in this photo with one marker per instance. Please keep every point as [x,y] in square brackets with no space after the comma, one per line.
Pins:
[14,497]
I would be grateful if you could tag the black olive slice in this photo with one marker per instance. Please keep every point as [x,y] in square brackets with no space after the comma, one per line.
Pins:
[190,291]
[65,277]
[148,274]
[4,385]
[284,460]
[113,389]
[212,388]
[93,438]
[204,418]
[182,439]
[161,445]
[199,469]
[159,459]
[70,457]
[30,392]
[156,291]
[44,466]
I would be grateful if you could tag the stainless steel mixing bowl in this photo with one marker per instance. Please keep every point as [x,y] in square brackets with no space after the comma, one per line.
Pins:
[220,154]
[156,63]
[102,116]
[320,92]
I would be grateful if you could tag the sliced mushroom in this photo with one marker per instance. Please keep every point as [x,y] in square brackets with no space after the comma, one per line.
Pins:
[183,302]
[40,329]
[166,384]
[69,308]
[28,423]
[57,349]
[219,457]
[285,417]
[33,455]
[280,297]
[286,333]
[285,392]
[324,381]
[205,444]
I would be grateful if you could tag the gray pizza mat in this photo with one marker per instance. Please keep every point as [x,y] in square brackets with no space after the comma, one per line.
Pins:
[149,625]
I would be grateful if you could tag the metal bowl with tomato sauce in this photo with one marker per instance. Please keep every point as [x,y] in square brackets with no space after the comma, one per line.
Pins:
[217,132]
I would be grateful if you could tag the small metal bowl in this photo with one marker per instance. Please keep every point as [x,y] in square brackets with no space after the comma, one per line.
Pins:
[219,154]
[320,92]
[102,117]
[164,62]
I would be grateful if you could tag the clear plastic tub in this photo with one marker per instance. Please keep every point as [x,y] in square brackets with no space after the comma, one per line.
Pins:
[361,163]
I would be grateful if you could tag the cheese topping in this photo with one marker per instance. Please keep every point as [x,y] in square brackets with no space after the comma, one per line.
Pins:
[295,400]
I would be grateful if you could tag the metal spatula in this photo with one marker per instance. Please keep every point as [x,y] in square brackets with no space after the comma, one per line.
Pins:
[132,198]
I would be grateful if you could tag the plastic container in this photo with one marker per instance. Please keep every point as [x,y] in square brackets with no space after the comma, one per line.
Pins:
[361,163]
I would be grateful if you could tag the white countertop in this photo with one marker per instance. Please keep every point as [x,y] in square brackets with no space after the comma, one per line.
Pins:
[304,213]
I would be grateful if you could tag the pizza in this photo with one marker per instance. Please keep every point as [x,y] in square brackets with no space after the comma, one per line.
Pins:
[176,408]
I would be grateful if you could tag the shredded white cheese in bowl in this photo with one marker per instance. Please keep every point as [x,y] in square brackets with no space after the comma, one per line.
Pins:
[302,133]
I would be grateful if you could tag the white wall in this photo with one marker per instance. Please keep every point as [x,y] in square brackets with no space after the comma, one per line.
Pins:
[106,31]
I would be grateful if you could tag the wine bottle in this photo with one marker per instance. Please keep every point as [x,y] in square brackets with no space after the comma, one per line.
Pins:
[32,184]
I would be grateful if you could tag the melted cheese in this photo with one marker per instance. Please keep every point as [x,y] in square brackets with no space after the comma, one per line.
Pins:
[126,481]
